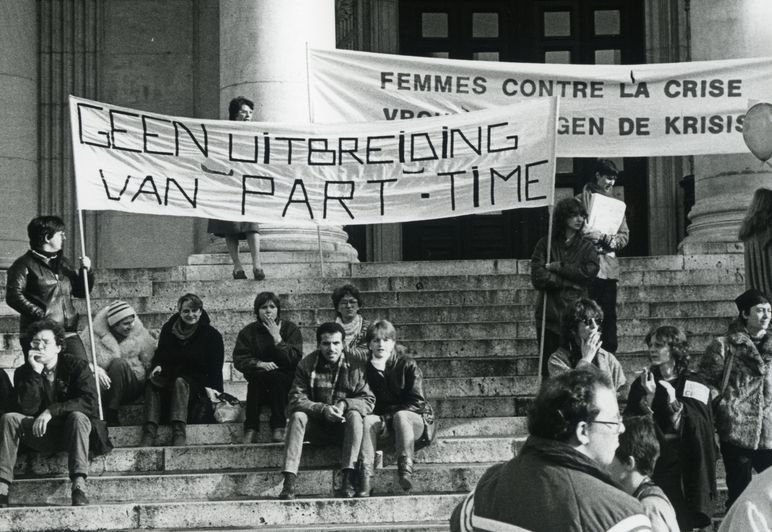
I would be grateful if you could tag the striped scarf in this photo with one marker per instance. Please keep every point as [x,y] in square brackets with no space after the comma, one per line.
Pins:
[329,382]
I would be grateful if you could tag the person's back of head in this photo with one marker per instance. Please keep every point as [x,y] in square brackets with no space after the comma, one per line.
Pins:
[638,445]
[41,228]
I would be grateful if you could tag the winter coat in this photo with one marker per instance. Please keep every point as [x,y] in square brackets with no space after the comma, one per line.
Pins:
[610,244]
[548,486]
[351,386]
[400,387]
[758,262]
[743,416]
[137,348]
[578,266]
[39,287]
[254,344]
[199,359]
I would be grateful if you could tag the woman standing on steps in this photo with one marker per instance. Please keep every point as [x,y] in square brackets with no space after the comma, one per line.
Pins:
[187,372]
[679,402]
[267,352]
[756,235]
[240,110]
[347,302]
[402,416]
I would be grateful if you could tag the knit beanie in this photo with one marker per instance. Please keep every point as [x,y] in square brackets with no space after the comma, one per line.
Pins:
[117,311]
[750,298]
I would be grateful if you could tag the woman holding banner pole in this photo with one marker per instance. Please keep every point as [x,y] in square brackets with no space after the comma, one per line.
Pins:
[240,110]
[573,264]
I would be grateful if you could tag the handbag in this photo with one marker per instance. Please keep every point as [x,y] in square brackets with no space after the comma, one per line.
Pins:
[227,409]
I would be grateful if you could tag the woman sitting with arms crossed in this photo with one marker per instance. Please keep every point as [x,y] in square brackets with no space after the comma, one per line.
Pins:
[580,343]
[679,403]
[187,368]
[267,352]
[402,415]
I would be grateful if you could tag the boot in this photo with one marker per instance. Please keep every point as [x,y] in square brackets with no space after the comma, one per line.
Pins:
[348,490]
[149,432]
[179,438]
[365,474]
[405,469]
[288,491]
[250,436]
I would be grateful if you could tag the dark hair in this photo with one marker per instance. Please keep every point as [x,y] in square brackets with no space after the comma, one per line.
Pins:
[329,327]
[564,401]
[195,301]
[345,290]
[263,298]
[41,228]
[565,209]
[584,308]
[46,325]
[676,340]
[384,327]
[639,441]
[235,106]
[605,167]
[758,217]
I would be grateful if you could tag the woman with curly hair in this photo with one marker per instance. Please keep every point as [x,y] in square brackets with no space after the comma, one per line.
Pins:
[756,235]
[679,402]
[580,343]
[347,301]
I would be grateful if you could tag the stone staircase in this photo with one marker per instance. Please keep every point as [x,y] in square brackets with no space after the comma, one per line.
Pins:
[470,325]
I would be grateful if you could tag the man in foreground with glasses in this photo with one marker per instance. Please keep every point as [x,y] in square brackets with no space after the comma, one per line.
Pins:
[57,398]
[42,282]
[559,480]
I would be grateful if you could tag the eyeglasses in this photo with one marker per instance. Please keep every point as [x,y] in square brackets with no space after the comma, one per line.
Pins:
[41,342]
[349,302]
[592,321]
[618,424]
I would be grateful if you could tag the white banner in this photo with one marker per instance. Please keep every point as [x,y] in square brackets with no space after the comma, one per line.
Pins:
[469,163]
[605,110]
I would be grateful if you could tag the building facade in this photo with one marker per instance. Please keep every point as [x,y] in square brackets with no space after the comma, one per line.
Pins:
[189,57]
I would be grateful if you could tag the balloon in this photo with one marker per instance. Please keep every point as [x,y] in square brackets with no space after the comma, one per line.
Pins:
[757,130]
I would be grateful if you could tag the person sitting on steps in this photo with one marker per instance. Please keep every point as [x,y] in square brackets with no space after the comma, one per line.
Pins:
[327,403]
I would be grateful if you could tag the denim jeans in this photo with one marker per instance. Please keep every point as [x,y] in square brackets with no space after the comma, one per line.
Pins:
[177,392]
[321,432]
[407,428]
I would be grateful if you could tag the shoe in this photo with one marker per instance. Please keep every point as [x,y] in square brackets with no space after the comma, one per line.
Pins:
[288,491]
[277,435]
[239,274]
[250,436]
[79,497]
[365,474]
[149,432]
[348,490]
[258,273]
[179,438]
[4,501]
[405,469]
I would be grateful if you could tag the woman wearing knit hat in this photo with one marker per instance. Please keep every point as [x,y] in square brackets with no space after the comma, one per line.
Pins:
[737,366]
[124,350]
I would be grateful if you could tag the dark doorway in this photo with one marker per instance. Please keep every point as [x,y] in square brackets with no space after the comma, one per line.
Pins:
[535,31]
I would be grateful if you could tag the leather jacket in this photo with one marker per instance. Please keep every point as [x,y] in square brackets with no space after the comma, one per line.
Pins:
[41,287]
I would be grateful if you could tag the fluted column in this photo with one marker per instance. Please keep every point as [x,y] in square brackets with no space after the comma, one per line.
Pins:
[263,57]
[18,125]
[724,184]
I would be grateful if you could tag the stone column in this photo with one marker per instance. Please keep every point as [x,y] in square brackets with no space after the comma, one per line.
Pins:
[263,57]
[724,184]
[18,125]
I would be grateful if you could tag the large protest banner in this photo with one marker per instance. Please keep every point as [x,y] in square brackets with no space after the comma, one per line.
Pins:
[605,110]
[388,171]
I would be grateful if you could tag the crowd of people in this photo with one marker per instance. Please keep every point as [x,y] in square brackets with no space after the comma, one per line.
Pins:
[652,467]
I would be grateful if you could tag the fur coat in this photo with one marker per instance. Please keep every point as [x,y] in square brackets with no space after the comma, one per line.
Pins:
[744,414]
[137,348]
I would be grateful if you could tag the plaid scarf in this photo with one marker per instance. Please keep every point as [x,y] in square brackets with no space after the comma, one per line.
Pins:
[329,382]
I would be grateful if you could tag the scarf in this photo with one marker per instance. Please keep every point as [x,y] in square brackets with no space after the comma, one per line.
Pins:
[325,383]
[352,329]
[183,333]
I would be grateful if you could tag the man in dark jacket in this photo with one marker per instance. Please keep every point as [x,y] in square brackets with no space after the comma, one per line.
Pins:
[56,395]
[559,480]
[42,282]
[327,403]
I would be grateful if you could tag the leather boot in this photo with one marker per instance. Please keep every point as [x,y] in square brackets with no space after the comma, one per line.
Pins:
[288,491]
[405,469]
[365,474]
[149,432]
[348,490]
[179,437]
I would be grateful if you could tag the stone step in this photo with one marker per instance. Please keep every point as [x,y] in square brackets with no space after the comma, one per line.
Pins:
[265,456]
[232,514]
[269,257]
[226,485]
